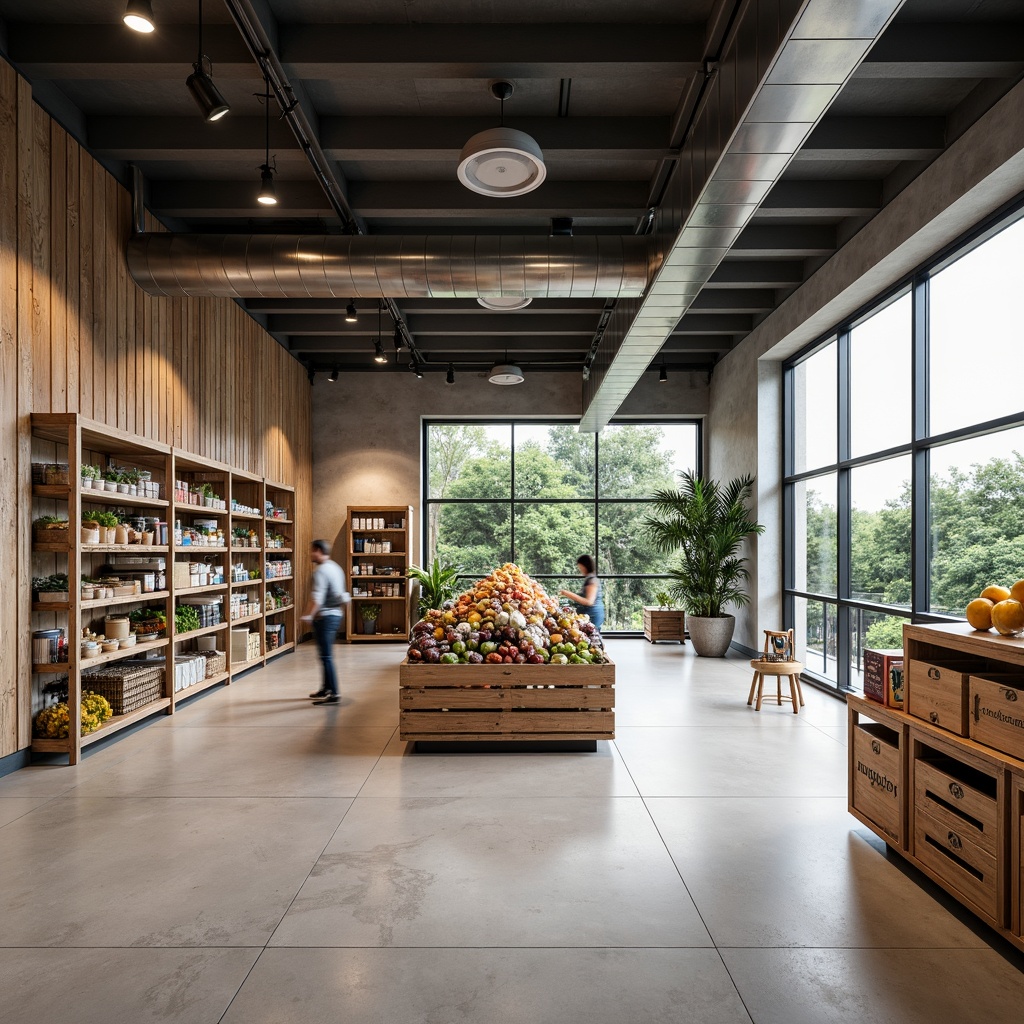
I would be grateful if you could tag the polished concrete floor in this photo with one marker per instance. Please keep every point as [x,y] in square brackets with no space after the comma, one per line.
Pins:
[254,859]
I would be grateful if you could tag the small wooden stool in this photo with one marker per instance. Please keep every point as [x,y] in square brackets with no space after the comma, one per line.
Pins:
[779,644]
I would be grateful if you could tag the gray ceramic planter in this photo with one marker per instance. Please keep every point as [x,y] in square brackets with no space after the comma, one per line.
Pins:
[711,637]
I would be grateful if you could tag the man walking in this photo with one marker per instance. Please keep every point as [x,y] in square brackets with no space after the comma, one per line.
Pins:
[327,596]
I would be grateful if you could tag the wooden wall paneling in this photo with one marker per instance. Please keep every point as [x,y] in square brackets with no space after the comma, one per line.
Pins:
[26,395]
[101,297]
[73,280]
[85,286]
[8,398]
[57,271]
[40,241]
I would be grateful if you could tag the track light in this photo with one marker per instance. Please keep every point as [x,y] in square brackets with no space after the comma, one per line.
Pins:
[334,375]
[351,316]
[663,376]
[381,355]
[267,194]
[450,378]
[200,82]
[138,15]
[399,339]
[418,370]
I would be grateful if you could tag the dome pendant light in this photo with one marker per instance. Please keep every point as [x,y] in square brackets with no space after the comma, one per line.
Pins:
[501,161]
[267,194]
[504,302]
[506,374]
[138,15]
[200,82]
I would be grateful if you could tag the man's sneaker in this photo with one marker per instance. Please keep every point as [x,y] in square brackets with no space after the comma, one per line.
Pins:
[320,693]
[331,698]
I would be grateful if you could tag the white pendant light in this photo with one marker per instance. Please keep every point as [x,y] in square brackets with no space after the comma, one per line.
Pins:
[505,302]
[506,374]
[502,161]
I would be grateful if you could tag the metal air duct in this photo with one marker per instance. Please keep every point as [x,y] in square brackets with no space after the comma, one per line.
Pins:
[388,266]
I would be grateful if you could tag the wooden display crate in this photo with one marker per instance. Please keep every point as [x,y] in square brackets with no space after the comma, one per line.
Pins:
[997,711]
[664,624]
[1017,856]
[877,791]
[958,823]
[937,692]
[496,702]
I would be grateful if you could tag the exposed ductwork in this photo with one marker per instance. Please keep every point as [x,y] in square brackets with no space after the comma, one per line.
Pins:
[385,266]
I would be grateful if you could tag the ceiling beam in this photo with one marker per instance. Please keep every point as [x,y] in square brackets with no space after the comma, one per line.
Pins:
[442,138]
[422,307]
[346,51]
[710,323]
[189,139]
[191,199]
[947,50]
[577,50]
[380,200]
[785,240]
[753,274]
[742,300]
[875,138]
[512,345]
[455,326]
[795,199]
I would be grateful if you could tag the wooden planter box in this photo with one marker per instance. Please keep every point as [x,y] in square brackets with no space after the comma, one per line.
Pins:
[506,702]
[664,624]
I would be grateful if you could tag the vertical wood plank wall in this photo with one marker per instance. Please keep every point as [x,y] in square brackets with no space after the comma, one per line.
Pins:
[77,335]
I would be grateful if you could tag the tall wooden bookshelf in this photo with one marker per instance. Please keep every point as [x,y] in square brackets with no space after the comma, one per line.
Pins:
[378,555]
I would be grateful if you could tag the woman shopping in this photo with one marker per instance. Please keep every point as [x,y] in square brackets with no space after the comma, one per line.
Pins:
[591,601]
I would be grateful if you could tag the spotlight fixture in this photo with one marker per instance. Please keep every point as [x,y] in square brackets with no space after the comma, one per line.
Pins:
[138,15]
[505,302]
[506,373]
[378,345]
[200,82]
[663,376]
[450,377]
[418,370]
[351,316]
[399,339]
[334,375]
[267,194]
[501,161]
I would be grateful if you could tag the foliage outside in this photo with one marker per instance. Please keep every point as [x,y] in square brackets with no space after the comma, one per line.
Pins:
[552,512]
[705,523]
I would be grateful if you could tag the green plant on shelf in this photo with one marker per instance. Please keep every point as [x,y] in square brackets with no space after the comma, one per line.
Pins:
[254,574]
[107,519]
[664,600]
[55,584]
[50,523]
[186,619]
[90,472]
[369,611]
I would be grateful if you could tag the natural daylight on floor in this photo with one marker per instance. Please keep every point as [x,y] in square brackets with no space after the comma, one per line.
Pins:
[254,859]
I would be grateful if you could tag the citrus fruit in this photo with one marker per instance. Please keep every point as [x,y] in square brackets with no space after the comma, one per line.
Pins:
[979,613]
[1008,617]
[1017,591]
[995,594]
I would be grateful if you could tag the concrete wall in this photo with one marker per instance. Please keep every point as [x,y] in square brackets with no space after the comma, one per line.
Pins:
[367,427]
[980,173]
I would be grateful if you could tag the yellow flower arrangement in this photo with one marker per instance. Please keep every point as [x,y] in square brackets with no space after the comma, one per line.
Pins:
[54,722]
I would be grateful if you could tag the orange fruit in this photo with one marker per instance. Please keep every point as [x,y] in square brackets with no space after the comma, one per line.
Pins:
[1008,617]
[1017,591]
[979,613]
[995,594]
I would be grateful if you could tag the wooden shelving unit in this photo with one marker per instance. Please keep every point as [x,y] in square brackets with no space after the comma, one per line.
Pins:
[951,805]
[69,439]
[371,529]
[279,529]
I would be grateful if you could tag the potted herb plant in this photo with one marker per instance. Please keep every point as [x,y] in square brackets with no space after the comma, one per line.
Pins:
[370,613]
[106,522]
[89,473]
[703,524]
[50,528]
[438,583]
[51,588]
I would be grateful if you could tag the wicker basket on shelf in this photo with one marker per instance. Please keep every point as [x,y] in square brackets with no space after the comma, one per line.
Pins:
[126,687]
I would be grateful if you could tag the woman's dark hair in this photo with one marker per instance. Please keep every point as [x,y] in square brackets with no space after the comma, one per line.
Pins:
[322,546]
[587,562]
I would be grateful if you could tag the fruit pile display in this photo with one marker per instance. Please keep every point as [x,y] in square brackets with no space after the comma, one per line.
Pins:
[999,607]
[506,619]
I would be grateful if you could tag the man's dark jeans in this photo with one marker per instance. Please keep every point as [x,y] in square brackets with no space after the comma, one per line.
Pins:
[325,626]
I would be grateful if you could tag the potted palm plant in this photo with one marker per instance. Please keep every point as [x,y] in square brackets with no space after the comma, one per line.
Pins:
[438,583]
[703,524]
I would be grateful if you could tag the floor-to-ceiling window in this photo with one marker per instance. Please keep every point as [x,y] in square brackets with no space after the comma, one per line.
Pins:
[542,493]
[905,456]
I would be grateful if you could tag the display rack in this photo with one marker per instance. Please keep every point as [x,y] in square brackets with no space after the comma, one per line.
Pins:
[950,797]
[379,539]
[184,555]
[279,596]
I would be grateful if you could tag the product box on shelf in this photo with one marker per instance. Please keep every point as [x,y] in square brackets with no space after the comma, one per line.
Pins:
[883,677]
[275,636]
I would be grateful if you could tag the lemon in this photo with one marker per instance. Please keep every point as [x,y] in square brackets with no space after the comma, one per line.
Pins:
[1008,617]
[995,594]
[979,613]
